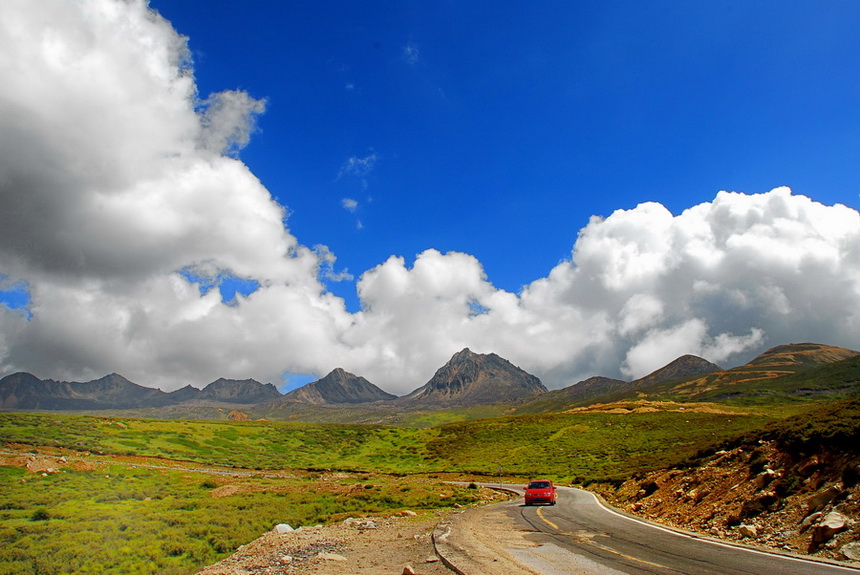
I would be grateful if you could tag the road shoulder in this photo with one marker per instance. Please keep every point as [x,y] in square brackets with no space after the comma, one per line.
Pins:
[479,541]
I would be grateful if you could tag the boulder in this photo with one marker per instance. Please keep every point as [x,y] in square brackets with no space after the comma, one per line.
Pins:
[748,530]
[822,498]
[832,524]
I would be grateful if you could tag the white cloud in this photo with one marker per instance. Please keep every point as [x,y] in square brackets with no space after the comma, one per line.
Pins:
[111,183]
[114,182]
[327,260]
[227,120]
[358,167]
[349,204]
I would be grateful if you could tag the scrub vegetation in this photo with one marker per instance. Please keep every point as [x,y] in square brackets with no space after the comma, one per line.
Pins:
[124,518]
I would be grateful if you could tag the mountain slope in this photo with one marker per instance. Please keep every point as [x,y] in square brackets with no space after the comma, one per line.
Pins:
[785,373]
[604,388]
[802,354]
[338,387]
[684,367]
[471,378]
[561,399]
[245,391]
[793,372]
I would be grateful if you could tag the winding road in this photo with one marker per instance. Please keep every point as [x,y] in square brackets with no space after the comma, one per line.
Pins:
[582,536]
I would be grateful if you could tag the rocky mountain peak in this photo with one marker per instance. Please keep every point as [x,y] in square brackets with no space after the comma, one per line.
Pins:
[338,387]
[462,356]
[471,378]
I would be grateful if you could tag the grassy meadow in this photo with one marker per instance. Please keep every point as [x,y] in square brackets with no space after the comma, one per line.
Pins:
[169,496]
[119,518]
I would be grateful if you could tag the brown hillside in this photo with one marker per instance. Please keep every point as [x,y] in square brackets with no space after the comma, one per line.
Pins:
[775,362]
[801,354]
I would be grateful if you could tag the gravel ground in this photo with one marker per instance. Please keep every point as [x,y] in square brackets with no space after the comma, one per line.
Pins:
[368,546]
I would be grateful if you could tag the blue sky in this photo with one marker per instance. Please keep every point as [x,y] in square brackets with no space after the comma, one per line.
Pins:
[498,129]
[584,188]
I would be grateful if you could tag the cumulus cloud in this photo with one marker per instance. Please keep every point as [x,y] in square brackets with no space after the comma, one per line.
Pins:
[115,178]
[722,280]
[124,203]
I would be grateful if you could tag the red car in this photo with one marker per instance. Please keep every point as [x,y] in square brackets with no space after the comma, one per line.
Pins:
[541,491]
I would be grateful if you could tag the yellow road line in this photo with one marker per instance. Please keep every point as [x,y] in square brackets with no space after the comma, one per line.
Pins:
[628,556]
[556,527]
[547,521]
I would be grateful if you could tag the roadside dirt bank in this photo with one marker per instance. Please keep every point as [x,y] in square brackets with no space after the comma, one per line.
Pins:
[758,495]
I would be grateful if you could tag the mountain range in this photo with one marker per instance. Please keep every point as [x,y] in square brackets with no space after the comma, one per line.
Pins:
[467,380]
[25,391]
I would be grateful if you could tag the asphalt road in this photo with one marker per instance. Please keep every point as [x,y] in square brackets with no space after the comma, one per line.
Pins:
[580,535]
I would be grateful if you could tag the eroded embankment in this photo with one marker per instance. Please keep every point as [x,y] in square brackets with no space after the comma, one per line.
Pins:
[757,494]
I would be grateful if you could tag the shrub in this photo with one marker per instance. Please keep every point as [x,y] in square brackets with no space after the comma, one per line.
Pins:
[40,515]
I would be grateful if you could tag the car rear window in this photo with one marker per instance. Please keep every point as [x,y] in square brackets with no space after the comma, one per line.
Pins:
[539,485]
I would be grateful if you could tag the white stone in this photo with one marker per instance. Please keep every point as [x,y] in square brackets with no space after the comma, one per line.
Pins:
[331,557]
[283,528]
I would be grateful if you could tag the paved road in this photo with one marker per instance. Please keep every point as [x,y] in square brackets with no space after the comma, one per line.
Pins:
[579,535]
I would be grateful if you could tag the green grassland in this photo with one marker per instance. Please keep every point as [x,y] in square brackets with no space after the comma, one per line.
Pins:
[128,519]
[589,445]
[586,446]
[247,445]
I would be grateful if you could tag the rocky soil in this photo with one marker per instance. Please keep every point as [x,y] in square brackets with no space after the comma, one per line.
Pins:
[758,495]
[401,544]
[356,546]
